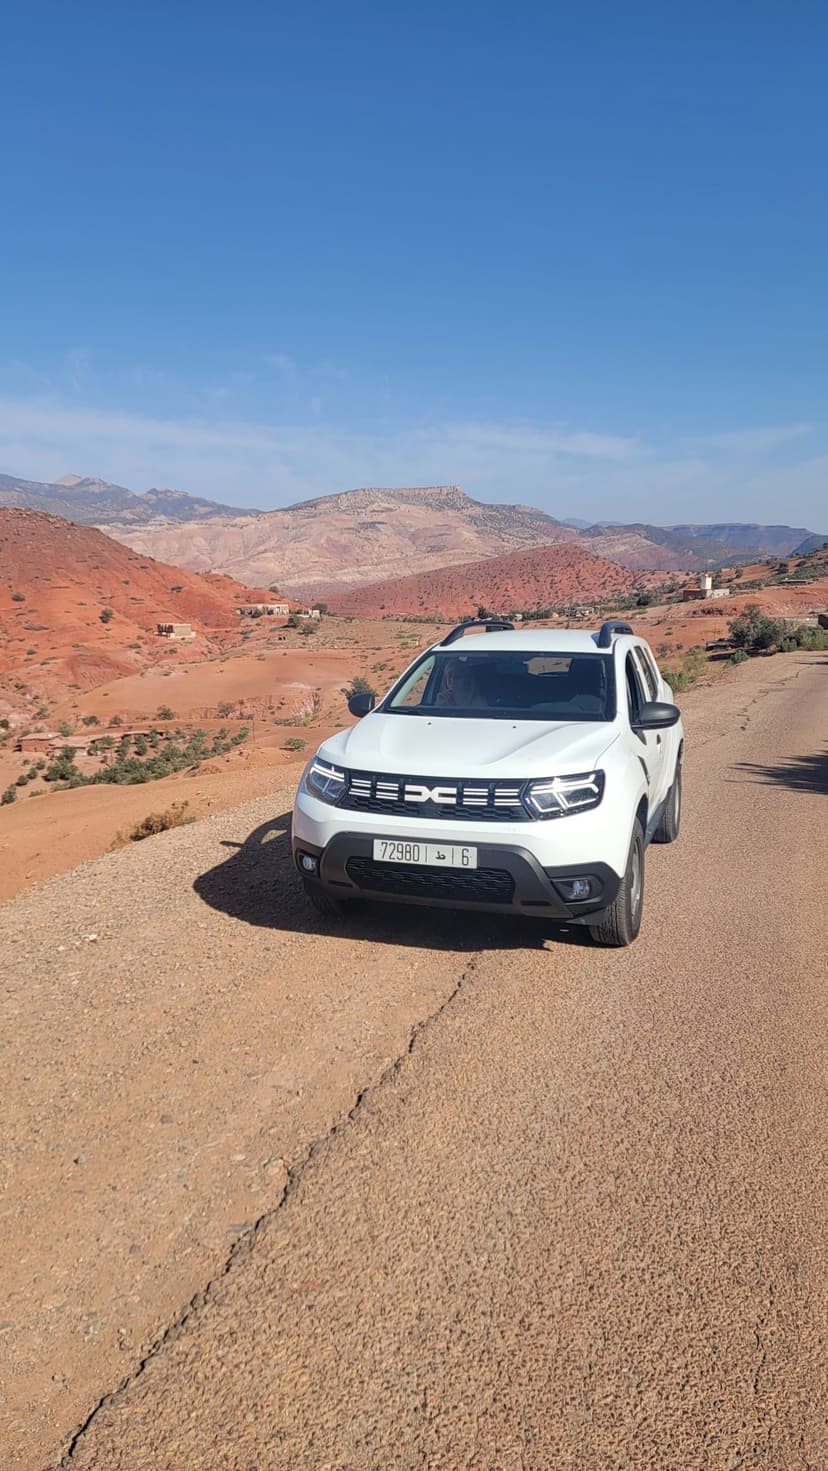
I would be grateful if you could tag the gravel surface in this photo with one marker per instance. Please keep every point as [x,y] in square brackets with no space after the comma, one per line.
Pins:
[564,1208]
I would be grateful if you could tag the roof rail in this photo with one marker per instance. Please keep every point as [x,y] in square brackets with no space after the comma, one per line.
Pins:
[491,625]
[608,631]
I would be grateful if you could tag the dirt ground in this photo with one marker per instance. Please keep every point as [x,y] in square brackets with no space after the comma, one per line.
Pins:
[416,1189]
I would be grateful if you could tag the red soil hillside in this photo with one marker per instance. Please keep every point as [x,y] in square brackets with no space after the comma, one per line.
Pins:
[57,578]
[546,576]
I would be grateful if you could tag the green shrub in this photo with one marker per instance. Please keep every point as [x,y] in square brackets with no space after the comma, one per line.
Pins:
[693,665]
[165,713]
[9,796]
[294,743]
[106,614]
[358,686]
[64,728]
[739,656]
[753,629]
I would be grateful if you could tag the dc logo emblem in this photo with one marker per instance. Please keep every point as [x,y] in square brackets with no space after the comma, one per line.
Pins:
[443,796]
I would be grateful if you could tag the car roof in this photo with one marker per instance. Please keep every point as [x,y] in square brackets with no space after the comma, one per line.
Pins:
[533,640]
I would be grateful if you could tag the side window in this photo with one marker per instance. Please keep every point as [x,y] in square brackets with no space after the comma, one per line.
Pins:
[635,693]
[412,693]
[646,665]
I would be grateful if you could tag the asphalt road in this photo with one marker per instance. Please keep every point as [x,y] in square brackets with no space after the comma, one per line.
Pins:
[582,1223]
[577,1221]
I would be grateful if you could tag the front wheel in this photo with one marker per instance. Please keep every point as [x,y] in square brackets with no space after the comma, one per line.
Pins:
[622,920]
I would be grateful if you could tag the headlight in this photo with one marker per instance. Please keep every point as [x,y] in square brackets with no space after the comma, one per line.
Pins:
[325,781]
[562,795]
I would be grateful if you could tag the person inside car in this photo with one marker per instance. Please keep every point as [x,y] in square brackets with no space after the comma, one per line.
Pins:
[460,687]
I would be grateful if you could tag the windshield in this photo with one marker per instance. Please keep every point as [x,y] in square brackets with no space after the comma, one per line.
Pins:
[516,685]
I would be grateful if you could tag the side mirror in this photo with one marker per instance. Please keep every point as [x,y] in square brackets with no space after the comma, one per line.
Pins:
[656,715]
[361,704]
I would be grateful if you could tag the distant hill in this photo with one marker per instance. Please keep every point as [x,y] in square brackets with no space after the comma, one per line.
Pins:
[547,576]
[354,537]
[360,536]
[95,502]
[749,540]
[57,578]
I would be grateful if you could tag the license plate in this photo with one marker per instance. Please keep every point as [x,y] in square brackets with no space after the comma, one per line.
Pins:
[447,855]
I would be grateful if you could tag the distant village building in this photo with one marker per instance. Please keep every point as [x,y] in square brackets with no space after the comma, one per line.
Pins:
[43,742]
[174,630]
[309,613]
[266,610]
[704,590]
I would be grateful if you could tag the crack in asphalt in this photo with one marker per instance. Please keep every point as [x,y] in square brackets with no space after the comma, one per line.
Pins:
[245,1244]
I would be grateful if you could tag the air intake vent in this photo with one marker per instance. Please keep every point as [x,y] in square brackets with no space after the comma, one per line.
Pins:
[482,886]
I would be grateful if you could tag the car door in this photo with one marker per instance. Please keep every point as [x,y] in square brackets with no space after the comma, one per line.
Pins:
[651,749]
[659,691]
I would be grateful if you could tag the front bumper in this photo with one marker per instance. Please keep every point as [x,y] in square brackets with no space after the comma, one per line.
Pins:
[508,879]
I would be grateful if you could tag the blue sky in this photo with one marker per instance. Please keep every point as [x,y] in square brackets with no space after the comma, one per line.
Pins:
[572,255]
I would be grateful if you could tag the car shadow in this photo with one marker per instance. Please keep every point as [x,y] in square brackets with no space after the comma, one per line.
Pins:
[258,885]
[798,773]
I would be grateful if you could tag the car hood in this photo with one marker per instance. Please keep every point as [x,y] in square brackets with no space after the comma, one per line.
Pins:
[408,745]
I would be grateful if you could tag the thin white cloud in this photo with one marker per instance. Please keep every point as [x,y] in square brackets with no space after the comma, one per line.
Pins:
[757,441]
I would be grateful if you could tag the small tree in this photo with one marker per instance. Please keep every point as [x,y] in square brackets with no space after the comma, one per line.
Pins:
[165,713]
[358,686]
[64,728]
[753,629]
[106,614]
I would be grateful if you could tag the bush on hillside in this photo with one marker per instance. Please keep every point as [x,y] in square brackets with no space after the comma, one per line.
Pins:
[161,822]
[358,686]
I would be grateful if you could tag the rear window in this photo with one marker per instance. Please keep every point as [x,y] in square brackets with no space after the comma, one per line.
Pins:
[508,686]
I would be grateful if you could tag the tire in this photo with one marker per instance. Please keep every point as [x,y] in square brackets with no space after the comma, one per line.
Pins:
[670,819]
[322,902]
[622,920]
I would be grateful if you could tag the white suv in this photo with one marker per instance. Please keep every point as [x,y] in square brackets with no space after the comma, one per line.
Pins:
[514,771]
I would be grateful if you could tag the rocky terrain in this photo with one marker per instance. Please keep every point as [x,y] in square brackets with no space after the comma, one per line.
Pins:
[360,536]
[541,577]
[77,608]
[355,537]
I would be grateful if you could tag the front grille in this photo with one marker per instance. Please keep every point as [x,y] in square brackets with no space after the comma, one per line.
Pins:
[435,797]
[481,886]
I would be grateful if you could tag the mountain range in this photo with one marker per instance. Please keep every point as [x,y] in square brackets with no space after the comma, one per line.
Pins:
[368,535]
[90,501]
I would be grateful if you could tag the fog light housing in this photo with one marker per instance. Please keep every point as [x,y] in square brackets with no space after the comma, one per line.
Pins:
[308,862]
[575,889]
